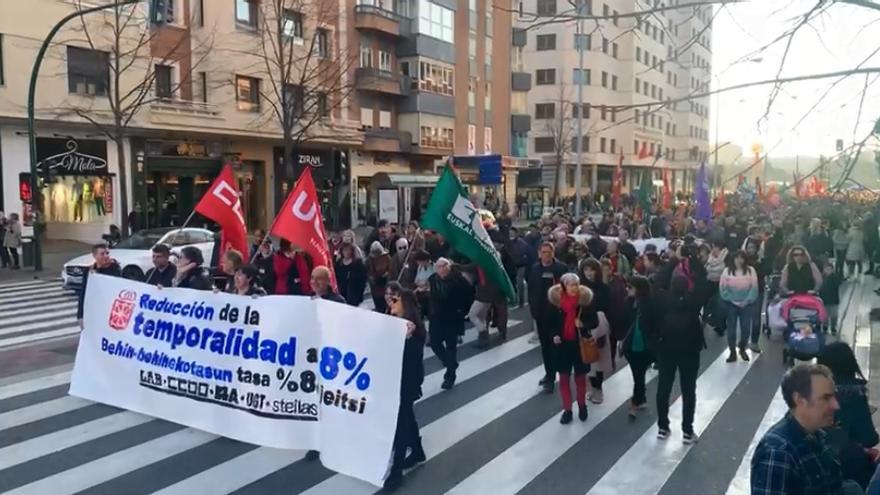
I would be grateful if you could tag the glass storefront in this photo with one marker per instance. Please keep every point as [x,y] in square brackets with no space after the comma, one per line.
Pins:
[71,199]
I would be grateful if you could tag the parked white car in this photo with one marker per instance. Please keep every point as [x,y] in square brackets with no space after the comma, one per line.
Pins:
[134,254]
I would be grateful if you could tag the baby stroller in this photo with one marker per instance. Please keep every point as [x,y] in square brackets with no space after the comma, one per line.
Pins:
[804,338]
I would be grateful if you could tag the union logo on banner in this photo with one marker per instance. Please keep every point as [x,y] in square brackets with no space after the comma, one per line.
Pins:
[123,307]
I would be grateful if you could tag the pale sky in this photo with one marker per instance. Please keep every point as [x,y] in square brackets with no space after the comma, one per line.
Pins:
[833,43]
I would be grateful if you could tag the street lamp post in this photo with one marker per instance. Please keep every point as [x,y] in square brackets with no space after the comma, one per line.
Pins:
[578,167]
[32,141]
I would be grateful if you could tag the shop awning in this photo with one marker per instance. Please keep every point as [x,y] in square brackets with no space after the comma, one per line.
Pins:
[405,180]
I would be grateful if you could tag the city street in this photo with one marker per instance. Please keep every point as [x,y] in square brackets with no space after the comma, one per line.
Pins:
[494,432]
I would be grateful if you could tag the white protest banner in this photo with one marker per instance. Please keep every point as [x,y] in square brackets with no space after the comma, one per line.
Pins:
[278,371]
[660,243]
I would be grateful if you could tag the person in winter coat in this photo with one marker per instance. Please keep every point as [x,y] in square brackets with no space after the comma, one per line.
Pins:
[378,273]
[571,300]
[349,237]
[872,240]
[105,265]
[715,265]
[800,275]
[620,264]
[402,264]
[291,270]
[591,275]
[818,243]
[406,437]
[163,271]
[263,261]
[640,343]
[840,240]
[351,274]
[490,305]
[680,340]
[738,289]
[596,245]
[855,251]
[853,433]
[544,274]
[12,239]
[830,294]
[450,296]
[518,250]
[246,281]
[229,264]
[190,272]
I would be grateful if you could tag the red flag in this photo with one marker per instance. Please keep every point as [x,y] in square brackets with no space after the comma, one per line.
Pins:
[300,222]
[644,153]
[222,204]
[667,192]
[720,203]
[618,181]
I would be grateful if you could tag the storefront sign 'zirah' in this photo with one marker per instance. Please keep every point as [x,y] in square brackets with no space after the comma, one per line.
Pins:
[71,157]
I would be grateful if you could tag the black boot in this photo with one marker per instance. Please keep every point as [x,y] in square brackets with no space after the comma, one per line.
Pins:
[448,381]
[416,456]
[482,341]
[732,357]
[743,354]
[394,480]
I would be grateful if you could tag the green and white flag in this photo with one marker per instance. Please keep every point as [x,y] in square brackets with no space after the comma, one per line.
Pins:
[451,214]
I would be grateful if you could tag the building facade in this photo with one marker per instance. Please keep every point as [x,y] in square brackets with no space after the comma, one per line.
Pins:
[432,80]
[634,70]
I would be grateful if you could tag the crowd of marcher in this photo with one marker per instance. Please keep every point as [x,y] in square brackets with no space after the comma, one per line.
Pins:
[610,288]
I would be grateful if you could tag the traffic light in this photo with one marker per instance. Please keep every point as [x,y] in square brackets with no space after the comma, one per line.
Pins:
[161,11]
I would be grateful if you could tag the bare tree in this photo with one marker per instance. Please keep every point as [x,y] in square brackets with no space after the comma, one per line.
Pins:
[560,129]
[308,72]
[134,49]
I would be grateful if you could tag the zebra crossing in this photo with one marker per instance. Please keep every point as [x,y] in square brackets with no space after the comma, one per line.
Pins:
[494,432]
[36,311]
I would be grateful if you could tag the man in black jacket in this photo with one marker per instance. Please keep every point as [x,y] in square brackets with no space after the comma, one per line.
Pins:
[163,271]
[104,265]
[541,276]
[518,249]
[321,285]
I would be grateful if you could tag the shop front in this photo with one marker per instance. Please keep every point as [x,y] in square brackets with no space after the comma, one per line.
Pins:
[531,193]
[170,178]
[77,191]
[491,180]
[329,172]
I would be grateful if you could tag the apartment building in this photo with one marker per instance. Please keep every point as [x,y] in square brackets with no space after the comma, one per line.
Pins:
[634,69]
[433,79]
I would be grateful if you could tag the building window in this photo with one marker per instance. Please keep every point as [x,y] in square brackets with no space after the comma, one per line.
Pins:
[2,77]
[436,21]
[613,115]
[545,76]
[247,93]
[323,44]
[203,86]
[638,54]
[635,146]
[433,137]
[545,42]
[576,77]
[604,113]
[163,75]
[366,55]
[245,13]
[585,106]
[604,79]
[614,50]
[385,61]
[487,98]
[583,42]
[366,118]
[605,45]
[545,110]
[472,92]
[293,98]
[88,71]
[546,7]
[602,143]
[436,78]
[544,144]
[614,82]
[322,105]
[616,18]
[585,143]
[384,119]
[293,25]
[613,145]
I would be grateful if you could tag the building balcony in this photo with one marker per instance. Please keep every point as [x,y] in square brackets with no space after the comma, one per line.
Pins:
[381,81]
[520,122]
[520,81]
[387,140]
[183,107]
[370,17]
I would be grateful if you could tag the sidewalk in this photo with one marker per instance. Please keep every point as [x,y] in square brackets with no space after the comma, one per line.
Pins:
[55,253]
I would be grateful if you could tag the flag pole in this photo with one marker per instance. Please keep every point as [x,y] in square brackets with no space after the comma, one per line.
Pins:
[409,250]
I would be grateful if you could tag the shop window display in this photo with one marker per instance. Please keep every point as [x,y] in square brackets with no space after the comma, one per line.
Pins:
[77,199]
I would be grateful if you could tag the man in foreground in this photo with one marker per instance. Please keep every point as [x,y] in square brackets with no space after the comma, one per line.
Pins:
[104,265]
[793,458]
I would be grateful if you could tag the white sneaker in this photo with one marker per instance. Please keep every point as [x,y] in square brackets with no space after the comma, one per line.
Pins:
[689,438]
[595,396]
[662,434]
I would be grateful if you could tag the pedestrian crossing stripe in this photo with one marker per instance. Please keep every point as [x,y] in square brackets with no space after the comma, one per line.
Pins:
[476,436]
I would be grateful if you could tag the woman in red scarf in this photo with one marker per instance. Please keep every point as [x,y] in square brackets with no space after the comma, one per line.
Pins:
[572,299]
